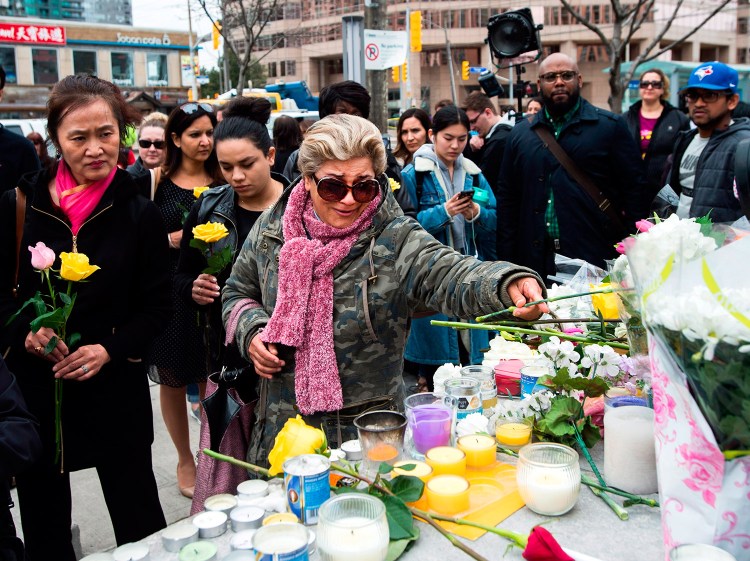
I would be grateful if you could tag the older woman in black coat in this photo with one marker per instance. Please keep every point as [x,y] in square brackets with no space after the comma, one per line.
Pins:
[87,205]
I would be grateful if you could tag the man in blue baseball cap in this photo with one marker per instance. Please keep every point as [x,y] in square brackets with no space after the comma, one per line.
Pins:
[703,170]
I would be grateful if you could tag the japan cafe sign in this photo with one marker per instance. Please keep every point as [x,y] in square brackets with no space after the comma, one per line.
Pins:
[37,34]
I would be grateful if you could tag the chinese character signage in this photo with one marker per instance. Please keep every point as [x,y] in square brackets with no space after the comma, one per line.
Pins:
[37,34]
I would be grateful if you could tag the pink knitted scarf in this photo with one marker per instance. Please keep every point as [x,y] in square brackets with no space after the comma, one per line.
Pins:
[303,316]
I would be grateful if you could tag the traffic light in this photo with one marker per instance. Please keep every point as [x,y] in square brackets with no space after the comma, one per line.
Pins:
[395,74]
[404,72]
[216,35]
[415,31]
[196,65]
[464,69]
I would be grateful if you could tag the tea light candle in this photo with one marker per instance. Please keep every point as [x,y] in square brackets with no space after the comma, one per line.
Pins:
[246,518]
[421,470]
[242,540]
[480,450]
[355,537]
[382,452]
[199,551]
[210,524]
[280,518]
[131,552]
[336,455]
[448,494]
[550,491]
[548,477]
[221,503]
[513,434]
[353,450]
[177,536]
[446,460]
[252,489]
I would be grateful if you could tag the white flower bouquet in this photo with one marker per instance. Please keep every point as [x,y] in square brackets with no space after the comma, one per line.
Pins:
[696,306]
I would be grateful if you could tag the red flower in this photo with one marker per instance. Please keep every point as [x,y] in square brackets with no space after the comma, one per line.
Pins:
[543,547]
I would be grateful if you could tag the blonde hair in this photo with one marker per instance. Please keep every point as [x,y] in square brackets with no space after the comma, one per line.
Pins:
[155,119]
[341,137]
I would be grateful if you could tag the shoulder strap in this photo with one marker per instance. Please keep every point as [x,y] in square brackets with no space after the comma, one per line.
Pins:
[742,174]
[580,177]
[20,219]
[419,176]
[155,179]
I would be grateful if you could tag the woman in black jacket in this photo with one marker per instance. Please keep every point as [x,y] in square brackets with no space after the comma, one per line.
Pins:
[118,311]
[655,124]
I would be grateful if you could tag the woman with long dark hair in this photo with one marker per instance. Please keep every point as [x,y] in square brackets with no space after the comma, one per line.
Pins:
[411,134]
[287,137]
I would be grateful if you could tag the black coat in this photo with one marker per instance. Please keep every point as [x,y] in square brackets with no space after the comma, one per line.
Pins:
[491,154]
[122,306]
[600,143]
[663,139]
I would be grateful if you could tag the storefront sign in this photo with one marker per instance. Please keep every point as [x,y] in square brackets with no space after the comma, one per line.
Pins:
[36,34]
[149,41]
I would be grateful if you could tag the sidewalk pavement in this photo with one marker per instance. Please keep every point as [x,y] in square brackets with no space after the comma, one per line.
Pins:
[92,525]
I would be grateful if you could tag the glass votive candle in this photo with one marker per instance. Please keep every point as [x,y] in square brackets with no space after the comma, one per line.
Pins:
[448,494]
[699,552]
[480,450]
[446,460]
[488,388]
[513,433]
[548,477]
[530,376]
[381,435]
[464,396]
[352,526]
[429,422]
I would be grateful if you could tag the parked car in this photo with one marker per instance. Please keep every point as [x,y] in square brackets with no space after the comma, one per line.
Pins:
[299,115]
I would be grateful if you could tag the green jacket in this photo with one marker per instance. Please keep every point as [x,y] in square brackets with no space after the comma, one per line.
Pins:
[393,269]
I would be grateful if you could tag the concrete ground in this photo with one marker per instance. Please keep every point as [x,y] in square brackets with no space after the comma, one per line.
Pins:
[92,525]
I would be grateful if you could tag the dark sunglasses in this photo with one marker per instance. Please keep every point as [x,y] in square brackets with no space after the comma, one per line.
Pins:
[708,96]
[551,77]
[333,190]
[146,144]
[190,108]
[656,84]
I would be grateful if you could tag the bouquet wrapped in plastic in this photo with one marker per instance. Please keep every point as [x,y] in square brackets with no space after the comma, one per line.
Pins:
[695,302]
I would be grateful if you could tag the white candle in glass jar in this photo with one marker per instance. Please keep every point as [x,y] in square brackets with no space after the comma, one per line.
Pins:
[131,552]
[550,491]
[357,538]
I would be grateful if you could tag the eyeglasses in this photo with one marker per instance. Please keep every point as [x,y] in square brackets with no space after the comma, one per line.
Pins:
[190,108]
[473,121]
[551,77]
[656,84]
[708,96]
[146,144]
[332,190]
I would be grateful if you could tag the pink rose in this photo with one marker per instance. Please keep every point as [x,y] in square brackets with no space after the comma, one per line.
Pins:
[42,257]
[643,225]
[620,248]
[705,465]
[664,404]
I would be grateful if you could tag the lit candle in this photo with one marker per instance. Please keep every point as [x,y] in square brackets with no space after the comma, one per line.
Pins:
[448,494]
[135,551]
[246,518]
[446,460]
[177,536]
[199,551]
[511,434]
[382,452]
[480,450]
[210,524]
[357,538]
[221,503]
[252,489]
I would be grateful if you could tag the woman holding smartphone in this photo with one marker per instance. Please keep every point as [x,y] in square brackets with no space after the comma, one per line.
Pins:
[445,187]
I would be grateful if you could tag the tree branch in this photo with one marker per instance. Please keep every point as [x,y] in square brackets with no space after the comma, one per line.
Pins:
[583,21]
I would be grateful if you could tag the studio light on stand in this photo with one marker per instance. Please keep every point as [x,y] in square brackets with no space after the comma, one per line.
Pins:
[514,40]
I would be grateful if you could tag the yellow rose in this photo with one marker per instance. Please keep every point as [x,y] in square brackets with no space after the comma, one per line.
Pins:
[295,439]
[393,184]
[210,232]
[75,266]
[605,304]
[198,191]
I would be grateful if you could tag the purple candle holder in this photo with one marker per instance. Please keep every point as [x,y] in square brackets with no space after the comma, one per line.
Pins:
[429,422]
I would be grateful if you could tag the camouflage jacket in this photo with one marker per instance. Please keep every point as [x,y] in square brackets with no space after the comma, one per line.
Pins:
[393,269]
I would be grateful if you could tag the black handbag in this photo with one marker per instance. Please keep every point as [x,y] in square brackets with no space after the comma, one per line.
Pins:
[234,390]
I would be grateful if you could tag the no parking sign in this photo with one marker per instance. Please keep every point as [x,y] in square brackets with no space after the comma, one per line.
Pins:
[384,49]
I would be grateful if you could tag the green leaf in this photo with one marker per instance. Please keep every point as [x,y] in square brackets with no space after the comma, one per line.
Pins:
[51,344]
[407,488]
[73,340]
[396,548]
[384,468]
[35,301]
[199,244]
[65,299]
[562,411]
[400,521]
[54,319]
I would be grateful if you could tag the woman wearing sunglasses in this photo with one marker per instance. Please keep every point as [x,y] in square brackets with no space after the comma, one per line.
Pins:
[320,296]
[151,143]
[178,356]
[655,125]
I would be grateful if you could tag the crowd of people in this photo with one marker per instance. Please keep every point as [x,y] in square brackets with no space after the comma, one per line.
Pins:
[340,255]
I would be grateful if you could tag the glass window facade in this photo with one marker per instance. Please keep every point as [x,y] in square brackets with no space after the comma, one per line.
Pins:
[8,62]
[156,70]
[122,69]
[84,62]
[44,66]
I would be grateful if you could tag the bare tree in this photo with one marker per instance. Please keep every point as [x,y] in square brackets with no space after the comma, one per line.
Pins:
[627,19]
[243,22]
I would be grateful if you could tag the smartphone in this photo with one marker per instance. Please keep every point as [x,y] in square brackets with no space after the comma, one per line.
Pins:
[469,193]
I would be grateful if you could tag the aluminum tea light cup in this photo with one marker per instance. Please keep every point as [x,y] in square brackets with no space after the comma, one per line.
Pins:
[220,503]
[177,536]
[210,524]
[135,551]
[242,540]
[252,489]
[246,518]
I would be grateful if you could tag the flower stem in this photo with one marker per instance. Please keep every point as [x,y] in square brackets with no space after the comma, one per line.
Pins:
[518,539]
[234,461]
[544,333]
[634,499]
[621,513]
[586,454]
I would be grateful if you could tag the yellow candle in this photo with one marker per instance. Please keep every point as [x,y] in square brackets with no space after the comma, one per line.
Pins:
[448,494]
[446,460]
[421,470]
[480,450]
[513,434]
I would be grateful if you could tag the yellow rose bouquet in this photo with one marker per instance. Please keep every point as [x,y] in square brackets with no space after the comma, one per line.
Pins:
[204,238]
[74,267]
[294,439]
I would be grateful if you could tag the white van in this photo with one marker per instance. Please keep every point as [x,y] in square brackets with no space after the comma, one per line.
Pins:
[26,126]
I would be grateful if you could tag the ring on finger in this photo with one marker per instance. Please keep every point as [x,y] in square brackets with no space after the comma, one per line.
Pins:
[39,349]
[85,369]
